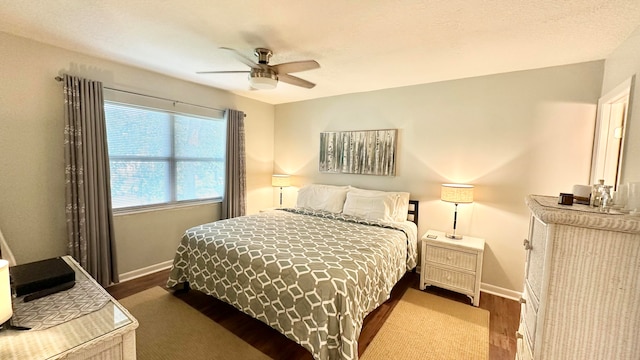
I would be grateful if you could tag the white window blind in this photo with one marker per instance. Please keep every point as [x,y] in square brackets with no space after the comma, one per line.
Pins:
[161,157]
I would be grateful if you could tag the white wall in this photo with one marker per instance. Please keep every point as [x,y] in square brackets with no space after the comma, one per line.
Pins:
[513,134]
[32,215]
[623,63]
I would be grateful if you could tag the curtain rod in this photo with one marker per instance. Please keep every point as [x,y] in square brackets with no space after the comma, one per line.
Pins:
[60,79]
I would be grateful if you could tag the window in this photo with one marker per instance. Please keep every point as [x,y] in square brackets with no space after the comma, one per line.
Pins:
[161,157]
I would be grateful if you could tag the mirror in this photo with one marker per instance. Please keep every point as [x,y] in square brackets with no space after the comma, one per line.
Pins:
[608,141]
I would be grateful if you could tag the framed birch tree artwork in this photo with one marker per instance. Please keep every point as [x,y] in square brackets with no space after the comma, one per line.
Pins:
[368,152]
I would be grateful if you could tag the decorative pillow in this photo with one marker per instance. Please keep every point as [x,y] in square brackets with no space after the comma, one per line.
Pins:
[401,206]
[370,206]
[322,197]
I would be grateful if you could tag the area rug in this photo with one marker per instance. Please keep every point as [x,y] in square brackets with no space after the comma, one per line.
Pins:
[171,329]
[426,326]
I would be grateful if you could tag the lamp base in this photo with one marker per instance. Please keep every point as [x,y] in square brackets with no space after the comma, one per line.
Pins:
[454,236]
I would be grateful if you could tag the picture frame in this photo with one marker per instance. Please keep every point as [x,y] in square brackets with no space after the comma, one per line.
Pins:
[366,152]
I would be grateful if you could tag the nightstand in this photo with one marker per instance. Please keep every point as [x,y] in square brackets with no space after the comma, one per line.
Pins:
[107,333]
[452,264]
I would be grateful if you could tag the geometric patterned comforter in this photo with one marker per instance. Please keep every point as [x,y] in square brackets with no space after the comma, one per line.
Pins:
[311,275]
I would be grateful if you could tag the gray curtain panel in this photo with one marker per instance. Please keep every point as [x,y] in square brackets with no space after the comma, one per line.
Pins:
[234,201]
[88,193]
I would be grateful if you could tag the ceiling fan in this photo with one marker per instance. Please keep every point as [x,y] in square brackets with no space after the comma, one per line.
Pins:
[265,76]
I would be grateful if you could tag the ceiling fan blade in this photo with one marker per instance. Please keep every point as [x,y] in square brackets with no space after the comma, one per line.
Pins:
[290,79]
[224,72]
[245,60]
[295,66]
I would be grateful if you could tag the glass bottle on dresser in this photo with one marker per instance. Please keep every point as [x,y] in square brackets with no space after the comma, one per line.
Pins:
[596,193]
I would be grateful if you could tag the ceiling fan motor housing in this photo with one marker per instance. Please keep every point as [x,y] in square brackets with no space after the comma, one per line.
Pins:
[264,55]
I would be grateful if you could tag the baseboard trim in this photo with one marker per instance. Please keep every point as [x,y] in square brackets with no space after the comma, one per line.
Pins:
[145,271]
[499,291]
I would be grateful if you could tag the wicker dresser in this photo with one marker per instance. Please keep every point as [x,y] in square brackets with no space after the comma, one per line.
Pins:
[581,296]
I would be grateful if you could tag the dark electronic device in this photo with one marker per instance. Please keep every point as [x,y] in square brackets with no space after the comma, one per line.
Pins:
[48,291]
[565,199]
[39,276]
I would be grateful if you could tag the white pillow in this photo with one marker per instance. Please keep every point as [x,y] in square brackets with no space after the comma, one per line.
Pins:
[322,197]
[371,206]
[401,207]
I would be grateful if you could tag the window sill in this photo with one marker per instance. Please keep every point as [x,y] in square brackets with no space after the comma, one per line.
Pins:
[163,207]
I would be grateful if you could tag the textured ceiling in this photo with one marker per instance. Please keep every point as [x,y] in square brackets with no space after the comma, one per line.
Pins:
[360,45]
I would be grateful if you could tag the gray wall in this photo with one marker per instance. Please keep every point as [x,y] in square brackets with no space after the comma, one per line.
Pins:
[513,134]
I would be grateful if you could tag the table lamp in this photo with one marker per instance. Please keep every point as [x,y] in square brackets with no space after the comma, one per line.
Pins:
[280,181]
[457,194]
[6,311]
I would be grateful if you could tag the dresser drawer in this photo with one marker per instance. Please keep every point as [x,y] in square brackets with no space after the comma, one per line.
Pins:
[523,345]
[535,246]
[450,278]
[529,315]
[523,352]
[454,258]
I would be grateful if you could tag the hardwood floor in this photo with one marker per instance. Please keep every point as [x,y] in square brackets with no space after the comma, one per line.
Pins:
[503,323]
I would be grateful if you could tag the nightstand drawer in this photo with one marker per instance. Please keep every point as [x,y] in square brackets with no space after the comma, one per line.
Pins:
[458,259]
[450,278]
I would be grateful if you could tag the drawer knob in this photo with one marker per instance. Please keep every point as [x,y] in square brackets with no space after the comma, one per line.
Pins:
[527,244]
[522,300]
[519,335]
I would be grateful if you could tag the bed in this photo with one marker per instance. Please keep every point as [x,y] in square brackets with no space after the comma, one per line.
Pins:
[312,272]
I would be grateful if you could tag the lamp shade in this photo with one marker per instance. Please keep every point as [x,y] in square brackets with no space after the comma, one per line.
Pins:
[457,193]
[5,292]
[280,180]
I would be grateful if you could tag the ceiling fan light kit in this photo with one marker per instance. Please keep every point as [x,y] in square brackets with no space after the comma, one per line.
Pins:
[263,76]
[263,79]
